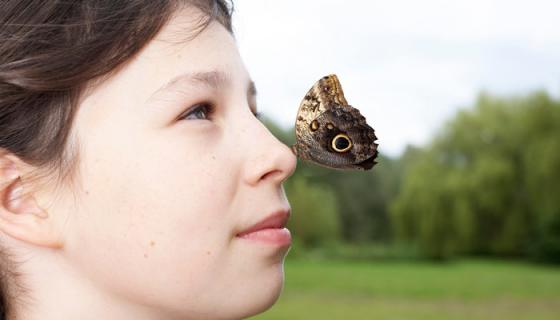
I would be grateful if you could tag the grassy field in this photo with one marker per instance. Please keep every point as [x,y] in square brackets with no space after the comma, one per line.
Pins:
[398,290]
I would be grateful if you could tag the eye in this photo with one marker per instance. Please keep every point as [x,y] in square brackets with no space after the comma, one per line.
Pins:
[201,111]
[341,143]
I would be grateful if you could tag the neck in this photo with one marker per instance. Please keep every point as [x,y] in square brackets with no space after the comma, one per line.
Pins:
[48,287]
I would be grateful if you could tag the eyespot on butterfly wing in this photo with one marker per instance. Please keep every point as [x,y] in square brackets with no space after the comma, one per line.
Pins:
[330,132]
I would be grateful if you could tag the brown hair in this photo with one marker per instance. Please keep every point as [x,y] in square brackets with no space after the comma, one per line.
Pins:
[50,51]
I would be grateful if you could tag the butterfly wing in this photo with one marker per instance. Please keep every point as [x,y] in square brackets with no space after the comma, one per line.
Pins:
[342,140]
[331,133]
[324,92]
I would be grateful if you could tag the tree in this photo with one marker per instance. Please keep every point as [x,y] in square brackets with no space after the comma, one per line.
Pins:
[315,213]
[487,183]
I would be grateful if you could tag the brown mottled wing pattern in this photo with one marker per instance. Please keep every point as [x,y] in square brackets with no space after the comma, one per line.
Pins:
[324,115]
[324,92]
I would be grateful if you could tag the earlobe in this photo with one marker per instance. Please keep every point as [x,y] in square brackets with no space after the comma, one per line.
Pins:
[20,215]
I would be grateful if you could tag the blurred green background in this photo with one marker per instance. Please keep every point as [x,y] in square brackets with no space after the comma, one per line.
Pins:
[466,227]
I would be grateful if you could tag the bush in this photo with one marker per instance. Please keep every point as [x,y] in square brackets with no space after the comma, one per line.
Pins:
[315,213]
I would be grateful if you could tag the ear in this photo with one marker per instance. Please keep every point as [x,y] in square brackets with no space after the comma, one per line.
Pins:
[20,215]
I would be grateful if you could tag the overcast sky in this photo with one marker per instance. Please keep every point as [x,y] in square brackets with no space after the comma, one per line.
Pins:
[407,65]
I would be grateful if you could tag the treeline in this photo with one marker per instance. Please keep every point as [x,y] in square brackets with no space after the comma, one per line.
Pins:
[488,184]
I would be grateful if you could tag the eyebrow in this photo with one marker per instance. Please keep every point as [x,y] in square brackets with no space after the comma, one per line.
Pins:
[212,79]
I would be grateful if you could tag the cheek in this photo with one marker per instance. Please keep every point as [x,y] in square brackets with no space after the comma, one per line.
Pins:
[154,209]
[178,199]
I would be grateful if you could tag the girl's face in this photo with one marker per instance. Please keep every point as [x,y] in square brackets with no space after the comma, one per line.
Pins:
[174,164]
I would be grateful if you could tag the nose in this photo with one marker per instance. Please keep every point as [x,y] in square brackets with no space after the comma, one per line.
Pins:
[267,157]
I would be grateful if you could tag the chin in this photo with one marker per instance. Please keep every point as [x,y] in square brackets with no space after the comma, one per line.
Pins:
[265,293]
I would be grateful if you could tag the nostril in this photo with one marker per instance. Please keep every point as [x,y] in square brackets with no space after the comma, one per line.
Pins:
[270,174]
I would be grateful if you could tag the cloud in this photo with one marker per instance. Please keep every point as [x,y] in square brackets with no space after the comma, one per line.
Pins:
[407,65]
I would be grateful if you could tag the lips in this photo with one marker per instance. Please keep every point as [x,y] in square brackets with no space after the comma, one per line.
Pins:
[276,220]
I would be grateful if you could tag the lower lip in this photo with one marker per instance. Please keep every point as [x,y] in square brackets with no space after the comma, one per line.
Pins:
[280,237]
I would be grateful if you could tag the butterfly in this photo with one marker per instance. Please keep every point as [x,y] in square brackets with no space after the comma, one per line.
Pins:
[331,133]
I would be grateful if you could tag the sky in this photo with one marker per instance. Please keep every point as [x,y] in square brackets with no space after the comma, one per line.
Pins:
[407,65]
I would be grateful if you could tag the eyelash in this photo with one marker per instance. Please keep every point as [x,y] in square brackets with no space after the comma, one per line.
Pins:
[208,109]
[205,107]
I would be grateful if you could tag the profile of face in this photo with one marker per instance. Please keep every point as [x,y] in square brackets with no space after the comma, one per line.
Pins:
[173,165]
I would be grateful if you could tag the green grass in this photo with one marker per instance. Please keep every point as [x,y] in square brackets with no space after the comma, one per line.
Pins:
[398,290]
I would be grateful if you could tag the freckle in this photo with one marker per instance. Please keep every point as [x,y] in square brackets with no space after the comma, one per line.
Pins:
[152,243]
[87,192]
[208,253]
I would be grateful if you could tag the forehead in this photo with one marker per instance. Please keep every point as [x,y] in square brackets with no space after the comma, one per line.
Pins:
[172,53]
[176,50]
